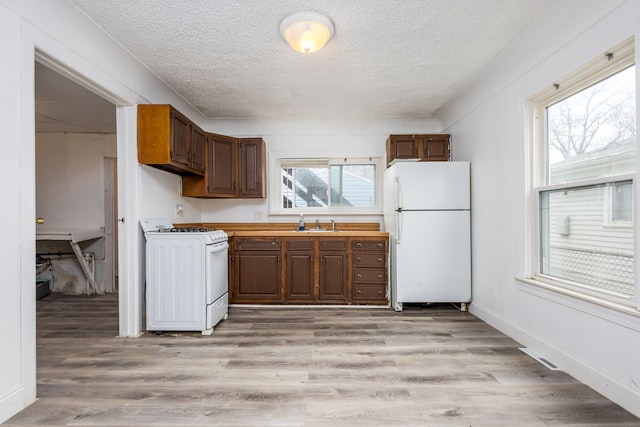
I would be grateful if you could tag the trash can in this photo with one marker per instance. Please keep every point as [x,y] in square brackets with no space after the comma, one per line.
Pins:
[42,289]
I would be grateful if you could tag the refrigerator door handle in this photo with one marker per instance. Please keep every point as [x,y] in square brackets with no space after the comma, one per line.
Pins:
[400,201]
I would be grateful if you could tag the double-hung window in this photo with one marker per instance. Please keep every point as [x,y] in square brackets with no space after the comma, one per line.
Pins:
[584,164]
[317,185]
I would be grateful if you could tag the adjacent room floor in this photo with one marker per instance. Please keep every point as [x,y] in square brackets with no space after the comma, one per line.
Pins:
[426,366]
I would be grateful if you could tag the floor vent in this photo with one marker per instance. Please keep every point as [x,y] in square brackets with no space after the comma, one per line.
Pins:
[541,359]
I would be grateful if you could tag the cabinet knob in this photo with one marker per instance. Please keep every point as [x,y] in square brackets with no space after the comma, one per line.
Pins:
[379,292]
[379,276]
[380,245]
[359,276]
[358,292]
[273,243]
[358,245]
[358,259]
[379,259]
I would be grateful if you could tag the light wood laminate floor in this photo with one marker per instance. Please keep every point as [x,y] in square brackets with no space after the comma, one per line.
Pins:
[426,366]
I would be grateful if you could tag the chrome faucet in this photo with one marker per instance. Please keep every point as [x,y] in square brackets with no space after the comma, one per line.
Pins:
[317,224]
[333,225]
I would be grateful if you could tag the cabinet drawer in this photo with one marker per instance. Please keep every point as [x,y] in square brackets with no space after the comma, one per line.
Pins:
[369,245]
[369,275]
[253,244]
[299,245]
[369,259]
[369,292]
[333,245]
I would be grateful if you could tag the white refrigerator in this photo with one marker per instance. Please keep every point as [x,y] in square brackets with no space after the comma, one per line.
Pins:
[427,211]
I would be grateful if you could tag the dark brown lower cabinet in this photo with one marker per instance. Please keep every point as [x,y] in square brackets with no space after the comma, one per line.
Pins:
[257,276]
[296,270]
[333,271]
[256,269]
[369,270]
[300,270]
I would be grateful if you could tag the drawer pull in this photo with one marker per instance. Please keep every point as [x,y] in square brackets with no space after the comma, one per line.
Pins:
[358,245]
[379,259]
[358,259]
[358,292]
[273,243]
[379,276]
[359,276]
[379,292]
[379,245]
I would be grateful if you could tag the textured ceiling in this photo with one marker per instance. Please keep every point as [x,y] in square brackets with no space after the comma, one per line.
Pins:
[388,58]
[64,106]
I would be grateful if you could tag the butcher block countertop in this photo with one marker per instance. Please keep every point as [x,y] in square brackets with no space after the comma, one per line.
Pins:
[290,229]
[307,233]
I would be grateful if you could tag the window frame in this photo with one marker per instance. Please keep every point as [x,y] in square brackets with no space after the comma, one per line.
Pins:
[276,208]
[609,207]
[536,169]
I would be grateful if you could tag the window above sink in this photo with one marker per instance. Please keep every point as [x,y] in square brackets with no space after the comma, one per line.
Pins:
[323,186]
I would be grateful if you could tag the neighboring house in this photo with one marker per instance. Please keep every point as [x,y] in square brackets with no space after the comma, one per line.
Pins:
[591,229]
[311,188]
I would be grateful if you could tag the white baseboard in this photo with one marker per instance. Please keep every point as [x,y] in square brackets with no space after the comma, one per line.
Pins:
[11,403]
[609,387]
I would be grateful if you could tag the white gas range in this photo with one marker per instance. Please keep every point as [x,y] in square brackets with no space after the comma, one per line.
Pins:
[186,272]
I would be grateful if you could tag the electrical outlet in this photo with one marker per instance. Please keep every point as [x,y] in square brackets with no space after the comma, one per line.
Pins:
[179,211]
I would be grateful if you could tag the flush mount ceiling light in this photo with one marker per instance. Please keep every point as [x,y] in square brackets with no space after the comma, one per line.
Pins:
[306,31]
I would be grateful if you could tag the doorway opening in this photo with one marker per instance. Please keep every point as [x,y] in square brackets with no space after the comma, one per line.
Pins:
[76,186]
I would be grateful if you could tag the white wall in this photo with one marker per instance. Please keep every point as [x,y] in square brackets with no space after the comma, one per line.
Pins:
[307,138]
[599,346]
[70,194]
[59,33]
[17,305]
[70,178]
[162,192]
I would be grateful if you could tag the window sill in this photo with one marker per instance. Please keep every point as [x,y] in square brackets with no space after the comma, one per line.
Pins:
[623,308]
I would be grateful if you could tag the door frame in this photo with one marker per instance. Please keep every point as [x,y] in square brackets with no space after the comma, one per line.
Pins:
[130,239]
[111,223]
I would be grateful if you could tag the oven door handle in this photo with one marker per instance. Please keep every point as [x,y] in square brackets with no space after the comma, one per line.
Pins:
[217,247]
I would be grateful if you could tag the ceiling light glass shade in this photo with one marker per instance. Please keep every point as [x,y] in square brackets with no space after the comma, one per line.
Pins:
[306,31]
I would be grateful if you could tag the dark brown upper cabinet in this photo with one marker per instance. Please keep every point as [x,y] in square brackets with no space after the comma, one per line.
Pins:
[429,147]
[198,150]
[251,168]
[170,141]
[236,168]
[222,168]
